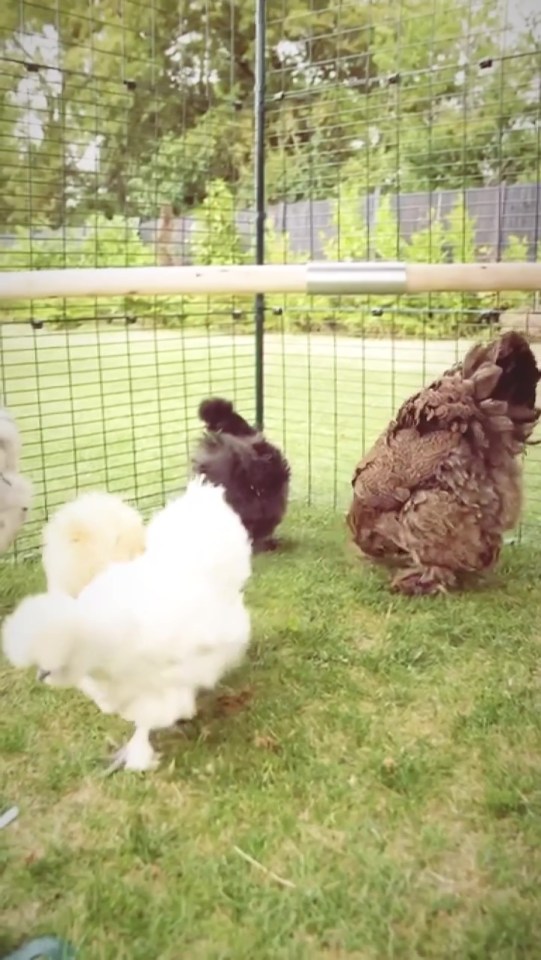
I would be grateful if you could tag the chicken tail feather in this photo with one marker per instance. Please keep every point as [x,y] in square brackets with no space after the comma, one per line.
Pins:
[220,415]
[44,630]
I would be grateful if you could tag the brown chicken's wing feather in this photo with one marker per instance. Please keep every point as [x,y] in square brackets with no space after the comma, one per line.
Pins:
[392,471]
[443,536]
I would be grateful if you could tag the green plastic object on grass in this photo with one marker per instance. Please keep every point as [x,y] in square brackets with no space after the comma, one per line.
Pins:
[51,948]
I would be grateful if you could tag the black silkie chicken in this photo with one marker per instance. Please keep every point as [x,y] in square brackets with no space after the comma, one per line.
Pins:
[253,472]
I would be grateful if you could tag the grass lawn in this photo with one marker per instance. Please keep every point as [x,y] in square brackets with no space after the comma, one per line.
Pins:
[377,756]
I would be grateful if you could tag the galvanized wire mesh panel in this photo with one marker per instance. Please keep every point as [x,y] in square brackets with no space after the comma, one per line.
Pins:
[126,135]
[392,130]
[405,131]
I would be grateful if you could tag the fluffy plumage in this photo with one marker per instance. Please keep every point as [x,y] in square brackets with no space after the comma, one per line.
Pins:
[442,483]
[253,471]
[15,490]
[87,534]
[145,636]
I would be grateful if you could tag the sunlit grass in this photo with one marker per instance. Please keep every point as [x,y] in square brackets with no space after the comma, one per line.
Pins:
[381,761]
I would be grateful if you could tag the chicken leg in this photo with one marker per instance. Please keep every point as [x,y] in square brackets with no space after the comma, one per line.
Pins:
[153,714]
[137,754]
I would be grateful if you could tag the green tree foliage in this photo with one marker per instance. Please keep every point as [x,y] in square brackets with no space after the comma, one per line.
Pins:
[216,236]
[383,95]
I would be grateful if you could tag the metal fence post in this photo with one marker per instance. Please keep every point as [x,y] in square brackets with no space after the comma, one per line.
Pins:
[259,304]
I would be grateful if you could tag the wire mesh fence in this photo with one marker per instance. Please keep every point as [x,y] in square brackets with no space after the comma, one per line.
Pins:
[119,120]
[127,128]
[395,131]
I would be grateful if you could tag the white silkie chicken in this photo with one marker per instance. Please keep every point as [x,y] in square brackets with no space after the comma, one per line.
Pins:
[144,637]
[85,535]
[15,490]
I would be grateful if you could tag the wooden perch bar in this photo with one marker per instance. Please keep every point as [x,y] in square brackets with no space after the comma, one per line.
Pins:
[381,277]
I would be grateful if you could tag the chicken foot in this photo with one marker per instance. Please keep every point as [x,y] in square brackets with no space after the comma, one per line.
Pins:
[268,545]
[424,581]
[137,754]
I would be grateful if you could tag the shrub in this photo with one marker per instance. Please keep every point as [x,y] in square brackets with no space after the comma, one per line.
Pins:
[216,240]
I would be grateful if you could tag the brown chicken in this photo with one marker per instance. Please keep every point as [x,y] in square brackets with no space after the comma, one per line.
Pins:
[444,481]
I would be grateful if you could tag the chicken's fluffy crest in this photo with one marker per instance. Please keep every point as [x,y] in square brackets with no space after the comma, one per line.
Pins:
[217,540]
[87,534]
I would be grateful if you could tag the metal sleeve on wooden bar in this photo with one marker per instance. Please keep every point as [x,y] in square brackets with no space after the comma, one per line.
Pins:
[337,278]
